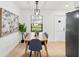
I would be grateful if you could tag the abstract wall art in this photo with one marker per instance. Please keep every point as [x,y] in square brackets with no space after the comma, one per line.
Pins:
[9,22]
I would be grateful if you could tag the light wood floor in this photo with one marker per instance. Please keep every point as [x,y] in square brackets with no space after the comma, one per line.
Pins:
[55,49]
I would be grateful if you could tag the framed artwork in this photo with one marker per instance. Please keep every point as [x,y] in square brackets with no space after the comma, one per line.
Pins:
[37,23]
[9,22]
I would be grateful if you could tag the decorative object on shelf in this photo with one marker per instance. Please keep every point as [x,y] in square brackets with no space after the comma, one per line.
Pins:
[22,29]
[37,20]
[8,22]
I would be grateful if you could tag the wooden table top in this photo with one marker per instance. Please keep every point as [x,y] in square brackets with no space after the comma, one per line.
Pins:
[31,36]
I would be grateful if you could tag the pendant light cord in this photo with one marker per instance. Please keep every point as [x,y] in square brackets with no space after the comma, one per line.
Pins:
[36,4]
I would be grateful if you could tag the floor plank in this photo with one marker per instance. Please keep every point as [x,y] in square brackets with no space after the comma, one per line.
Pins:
[55,49]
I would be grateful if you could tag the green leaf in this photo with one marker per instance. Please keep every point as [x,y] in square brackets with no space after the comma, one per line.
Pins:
[22,27]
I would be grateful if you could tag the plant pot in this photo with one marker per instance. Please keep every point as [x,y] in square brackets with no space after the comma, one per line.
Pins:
[22,41]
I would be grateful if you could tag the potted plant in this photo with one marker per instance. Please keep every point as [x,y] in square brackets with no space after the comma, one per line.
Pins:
[22,29]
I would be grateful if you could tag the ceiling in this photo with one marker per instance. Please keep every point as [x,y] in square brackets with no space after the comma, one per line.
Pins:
[45,5]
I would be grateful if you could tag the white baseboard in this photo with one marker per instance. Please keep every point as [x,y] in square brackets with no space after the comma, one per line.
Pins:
[55,40]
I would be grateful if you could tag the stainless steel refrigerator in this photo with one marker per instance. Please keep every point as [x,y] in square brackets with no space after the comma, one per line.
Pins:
[72,34]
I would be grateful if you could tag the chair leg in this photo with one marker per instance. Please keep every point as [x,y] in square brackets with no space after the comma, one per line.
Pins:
[30,53]
[40,53]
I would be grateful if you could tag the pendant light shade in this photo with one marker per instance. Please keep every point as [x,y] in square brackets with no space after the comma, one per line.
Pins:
[37,17]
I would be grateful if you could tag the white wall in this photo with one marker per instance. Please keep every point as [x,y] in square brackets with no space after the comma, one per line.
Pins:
[26,18]
[48,21]
[7,43]
[60,27]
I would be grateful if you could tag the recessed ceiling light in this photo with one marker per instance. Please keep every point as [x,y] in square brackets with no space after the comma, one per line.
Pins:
[66,5]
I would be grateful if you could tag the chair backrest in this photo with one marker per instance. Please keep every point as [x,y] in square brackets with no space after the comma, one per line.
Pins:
[46,34]
[26,35]
[35,45]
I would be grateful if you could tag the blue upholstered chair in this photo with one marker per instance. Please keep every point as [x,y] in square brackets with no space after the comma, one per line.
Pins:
[35,45]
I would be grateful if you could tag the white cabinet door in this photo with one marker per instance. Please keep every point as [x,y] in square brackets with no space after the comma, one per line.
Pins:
[59,28]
